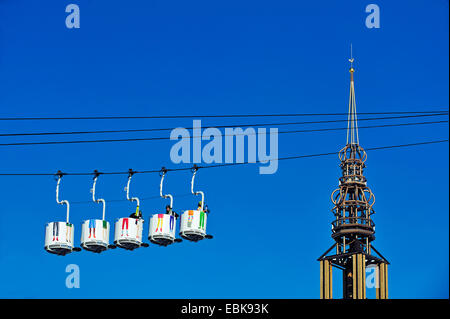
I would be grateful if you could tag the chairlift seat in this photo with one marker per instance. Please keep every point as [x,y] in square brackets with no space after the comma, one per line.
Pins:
[193,225]
[162,229]
[59,238]
[128,233]
[95,235]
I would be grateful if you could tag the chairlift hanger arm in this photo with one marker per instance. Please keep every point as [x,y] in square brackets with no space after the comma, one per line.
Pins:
[127,188]
[194,170]
[99,200]
[62,202]
[163,174]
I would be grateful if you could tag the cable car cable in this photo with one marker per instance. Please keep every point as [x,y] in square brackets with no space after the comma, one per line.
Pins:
[228,164]
[326,154]
[203,116]
[190,137]
[213,126]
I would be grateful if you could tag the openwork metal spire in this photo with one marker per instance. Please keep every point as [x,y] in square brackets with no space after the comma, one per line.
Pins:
[353,229]
[353,200]
[352,149]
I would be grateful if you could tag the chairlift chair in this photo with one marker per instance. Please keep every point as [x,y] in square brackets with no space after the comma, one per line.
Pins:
[193,222]
[59,235]
[128,230]
[162,227]
[95,232]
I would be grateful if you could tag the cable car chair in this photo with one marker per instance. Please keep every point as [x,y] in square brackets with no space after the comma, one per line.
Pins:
[162,227]
[59,235]
[128,230]
[95,232]
[193,222]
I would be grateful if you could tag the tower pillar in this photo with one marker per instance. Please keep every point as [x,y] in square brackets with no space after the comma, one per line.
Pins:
[326,280]
[382,284]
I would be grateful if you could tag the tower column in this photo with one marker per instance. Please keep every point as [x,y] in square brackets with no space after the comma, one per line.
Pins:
[382,288]
[359,276]
[326,280]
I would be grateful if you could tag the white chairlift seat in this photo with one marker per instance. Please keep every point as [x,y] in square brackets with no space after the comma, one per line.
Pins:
[162,229]
[59,238]
[128,233]
[95,235]
[193,225]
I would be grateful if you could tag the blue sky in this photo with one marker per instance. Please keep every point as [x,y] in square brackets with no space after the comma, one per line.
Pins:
[210,57]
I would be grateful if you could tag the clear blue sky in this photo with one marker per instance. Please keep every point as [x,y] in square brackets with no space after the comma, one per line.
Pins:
[211,57]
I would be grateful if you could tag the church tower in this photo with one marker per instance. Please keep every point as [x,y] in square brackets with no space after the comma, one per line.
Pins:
[353,229]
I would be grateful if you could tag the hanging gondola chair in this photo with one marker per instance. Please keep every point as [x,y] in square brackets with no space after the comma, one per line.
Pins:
[59,235]
[128,230]
[95,232]
[162,227]
[193,222]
